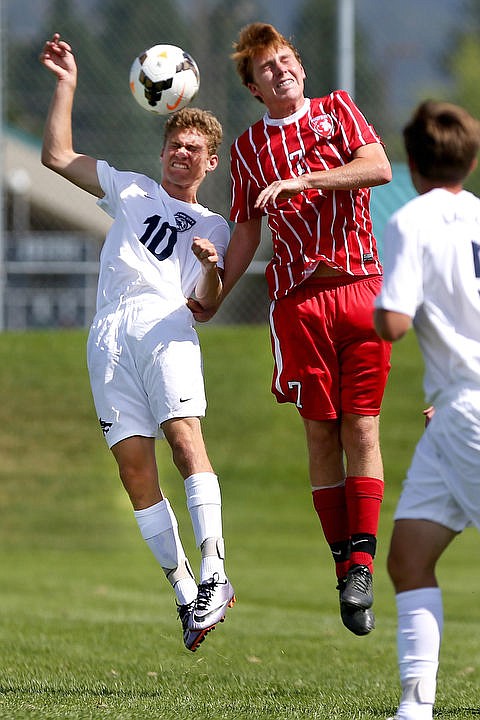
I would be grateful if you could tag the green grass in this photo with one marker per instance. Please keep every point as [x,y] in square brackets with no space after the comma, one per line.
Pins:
[87,622]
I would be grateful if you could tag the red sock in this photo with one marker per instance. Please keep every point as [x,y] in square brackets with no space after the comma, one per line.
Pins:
[364,496]
[331,506]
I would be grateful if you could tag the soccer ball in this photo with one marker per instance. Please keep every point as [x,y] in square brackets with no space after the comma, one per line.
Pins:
[164,78]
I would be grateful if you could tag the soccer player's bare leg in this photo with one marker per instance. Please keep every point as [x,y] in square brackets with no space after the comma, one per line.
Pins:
[184,435]
[137,468]
[158,524]
[215,592]
[415,548]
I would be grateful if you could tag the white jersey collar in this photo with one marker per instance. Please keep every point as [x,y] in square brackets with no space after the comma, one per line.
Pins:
[290,118]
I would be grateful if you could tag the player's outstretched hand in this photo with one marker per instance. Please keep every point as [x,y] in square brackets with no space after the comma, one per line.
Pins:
[57,57]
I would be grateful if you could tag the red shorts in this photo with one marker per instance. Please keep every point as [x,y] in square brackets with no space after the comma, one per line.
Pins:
[328,358]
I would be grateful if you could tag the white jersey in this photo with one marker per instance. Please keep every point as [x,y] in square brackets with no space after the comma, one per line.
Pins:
[431,260]
[143,353]
[148,247]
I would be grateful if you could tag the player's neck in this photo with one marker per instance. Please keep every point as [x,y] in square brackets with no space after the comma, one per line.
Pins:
[186,194]
[283,109]
[427,185]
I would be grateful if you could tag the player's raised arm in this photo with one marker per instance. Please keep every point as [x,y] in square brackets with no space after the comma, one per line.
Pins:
[57,149]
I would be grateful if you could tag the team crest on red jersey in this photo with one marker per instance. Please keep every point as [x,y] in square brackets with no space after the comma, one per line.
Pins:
[323,125]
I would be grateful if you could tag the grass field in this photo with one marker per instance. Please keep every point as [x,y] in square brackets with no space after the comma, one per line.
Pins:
[88,627]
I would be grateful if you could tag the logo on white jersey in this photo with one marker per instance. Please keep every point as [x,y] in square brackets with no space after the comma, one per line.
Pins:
[323,125]
[184,222]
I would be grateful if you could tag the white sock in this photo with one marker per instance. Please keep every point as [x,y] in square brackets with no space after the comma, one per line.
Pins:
[205,507]
[420,625]
[213,557]
[159,529]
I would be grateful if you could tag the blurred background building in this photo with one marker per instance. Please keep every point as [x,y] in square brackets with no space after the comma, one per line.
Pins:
[389,55]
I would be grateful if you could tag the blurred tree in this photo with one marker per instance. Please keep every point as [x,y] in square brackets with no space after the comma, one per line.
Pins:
[464,64]
[314,35]
[462,60]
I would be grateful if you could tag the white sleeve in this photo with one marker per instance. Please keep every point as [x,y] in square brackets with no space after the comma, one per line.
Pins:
[402,288]
[220,237]
[106,177]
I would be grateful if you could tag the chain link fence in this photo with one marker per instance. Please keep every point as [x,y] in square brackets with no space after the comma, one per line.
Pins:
[53,232]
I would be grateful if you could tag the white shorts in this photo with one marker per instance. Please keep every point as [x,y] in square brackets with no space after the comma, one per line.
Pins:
[144,371]
[443,482]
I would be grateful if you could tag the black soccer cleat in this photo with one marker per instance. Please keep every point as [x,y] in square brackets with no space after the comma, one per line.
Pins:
[357,588]
[359,621]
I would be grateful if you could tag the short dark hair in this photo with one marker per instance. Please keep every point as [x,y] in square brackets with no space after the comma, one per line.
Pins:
[442,140]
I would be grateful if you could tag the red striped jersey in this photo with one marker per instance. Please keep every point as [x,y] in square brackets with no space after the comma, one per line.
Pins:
[315,226]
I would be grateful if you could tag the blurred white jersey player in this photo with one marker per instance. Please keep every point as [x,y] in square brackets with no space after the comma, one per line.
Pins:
[161,261]
[432,278]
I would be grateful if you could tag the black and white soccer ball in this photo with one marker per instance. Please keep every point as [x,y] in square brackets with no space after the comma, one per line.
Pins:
[164,78]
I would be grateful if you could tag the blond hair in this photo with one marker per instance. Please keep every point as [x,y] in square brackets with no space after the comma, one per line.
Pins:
[203,121]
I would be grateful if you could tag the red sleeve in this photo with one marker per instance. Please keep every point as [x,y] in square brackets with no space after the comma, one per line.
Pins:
[356,130]
[244,185]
